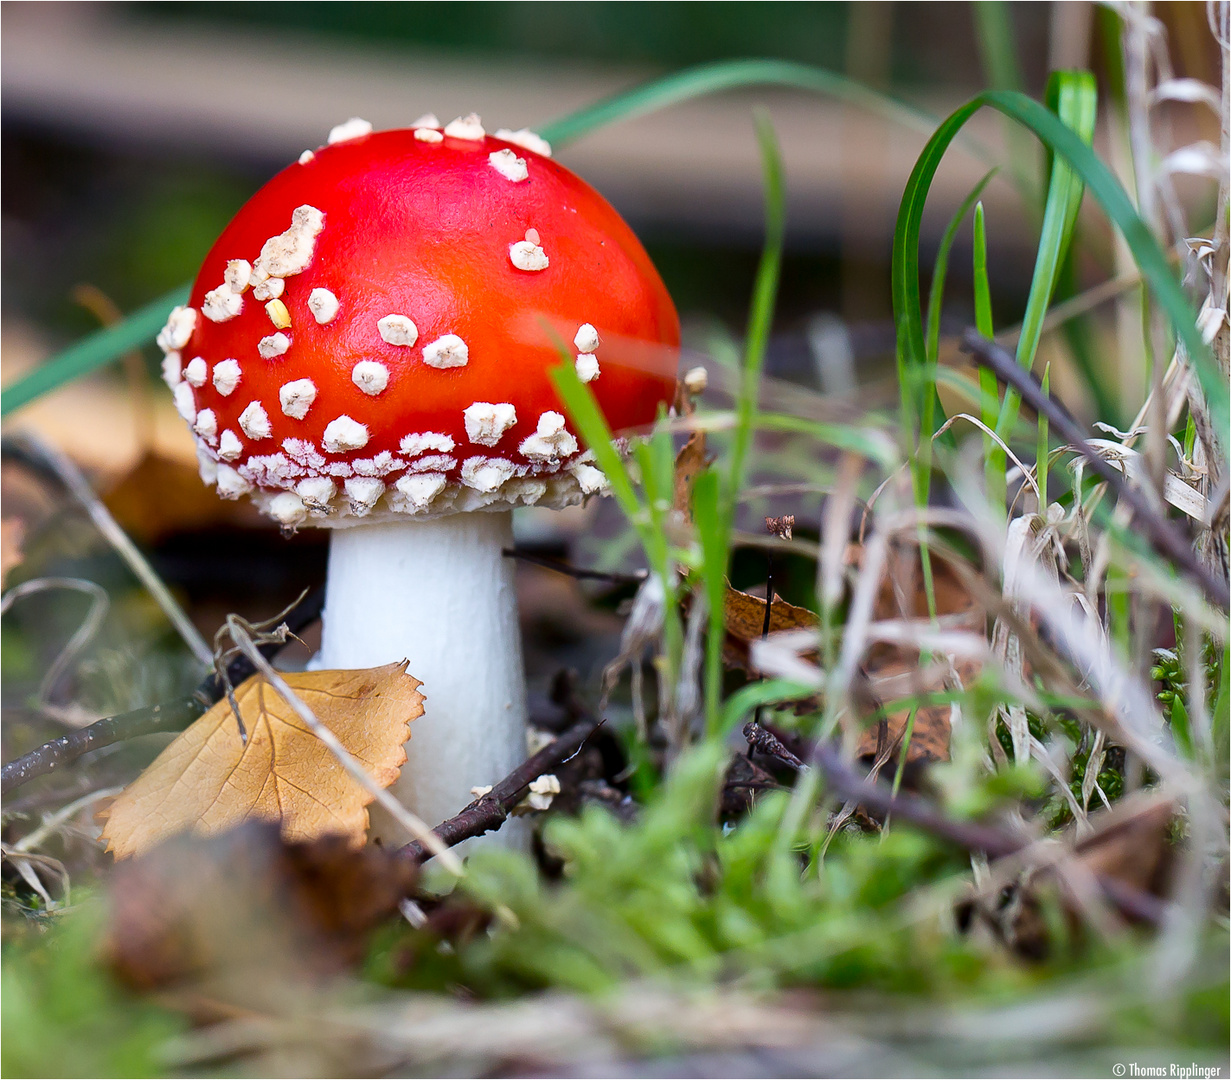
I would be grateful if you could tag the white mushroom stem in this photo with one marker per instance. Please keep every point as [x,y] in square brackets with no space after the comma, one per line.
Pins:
[440,594]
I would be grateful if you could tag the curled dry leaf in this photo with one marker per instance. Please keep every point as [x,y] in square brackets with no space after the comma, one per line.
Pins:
[207,780]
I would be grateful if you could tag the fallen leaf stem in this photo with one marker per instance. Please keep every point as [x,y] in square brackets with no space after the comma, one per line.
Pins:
[488,812]
[769,595]
[167,716]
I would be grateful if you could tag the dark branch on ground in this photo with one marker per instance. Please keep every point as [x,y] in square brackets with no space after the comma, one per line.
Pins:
[878,798]
[848,785]
[168,716]
[490,811]
[1163,534]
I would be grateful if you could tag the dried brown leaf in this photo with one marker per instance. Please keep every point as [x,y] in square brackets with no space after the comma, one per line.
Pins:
[744,615]
[207,780]
[904,595]
[744,618]
[250,909]
[1129,842]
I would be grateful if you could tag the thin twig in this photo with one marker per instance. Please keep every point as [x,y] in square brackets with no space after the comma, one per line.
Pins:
[409,821]
[1160,531]
[53,821]
[562,567]
[82,636]
[49,459]
[488,812]
[167,716]
[264,639]
[297,619]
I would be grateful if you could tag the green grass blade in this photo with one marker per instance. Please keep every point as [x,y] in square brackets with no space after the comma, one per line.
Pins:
[984,322]
[583,410]
[1073,97]
[940,270]
[715,501]
[989,390]
[707,515]
[730,75]
[760,318]
[1150,258]
[92,352]
[923,464]
[907,311]
[1105,189]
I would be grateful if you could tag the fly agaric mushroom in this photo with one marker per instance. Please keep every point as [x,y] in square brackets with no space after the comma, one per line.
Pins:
[367,349]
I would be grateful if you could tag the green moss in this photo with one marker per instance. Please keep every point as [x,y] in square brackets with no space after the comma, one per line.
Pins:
[62,1015]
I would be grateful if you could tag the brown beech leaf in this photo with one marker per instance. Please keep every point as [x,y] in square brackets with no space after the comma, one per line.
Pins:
[207,780]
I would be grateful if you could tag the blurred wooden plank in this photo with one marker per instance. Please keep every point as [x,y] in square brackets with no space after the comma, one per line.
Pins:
[695,168]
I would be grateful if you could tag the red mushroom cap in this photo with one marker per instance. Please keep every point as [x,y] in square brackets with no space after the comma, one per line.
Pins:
[372,333]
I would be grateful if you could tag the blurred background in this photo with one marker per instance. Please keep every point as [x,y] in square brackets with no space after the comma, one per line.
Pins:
[133,131]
